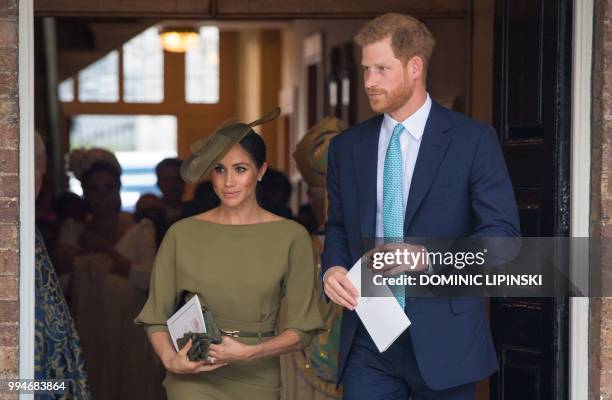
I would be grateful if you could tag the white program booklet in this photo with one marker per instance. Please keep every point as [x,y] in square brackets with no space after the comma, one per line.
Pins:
[382,317]
[188,318]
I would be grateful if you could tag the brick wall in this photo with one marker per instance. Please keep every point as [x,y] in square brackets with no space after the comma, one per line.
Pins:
[600,340]
[9,191]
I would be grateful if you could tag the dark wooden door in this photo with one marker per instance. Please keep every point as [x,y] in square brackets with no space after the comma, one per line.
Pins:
[532,117]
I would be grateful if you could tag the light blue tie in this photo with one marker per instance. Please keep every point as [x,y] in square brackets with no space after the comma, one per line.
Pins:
[393,199]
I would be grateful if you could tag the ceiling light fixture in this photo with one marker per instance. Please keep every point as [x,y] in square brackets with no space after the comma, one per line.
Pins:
[178,40]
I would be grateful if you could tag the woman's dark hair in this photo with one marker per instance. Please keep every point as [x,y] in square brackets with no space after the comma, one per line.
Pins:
[255,146]
[101,166]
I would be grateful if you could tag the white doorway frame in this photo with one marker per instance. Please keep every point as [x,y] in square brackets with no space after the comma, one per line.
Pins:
[27,196]
[580,196]
[582,48]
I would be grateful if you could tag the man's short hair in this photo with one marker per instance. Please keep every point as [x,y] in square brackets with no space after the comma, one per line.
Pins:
[409,36]
[168,162]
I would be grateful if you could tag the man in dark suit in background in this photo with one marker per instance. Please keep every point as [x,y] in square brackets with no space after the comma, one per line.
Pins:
[417,170]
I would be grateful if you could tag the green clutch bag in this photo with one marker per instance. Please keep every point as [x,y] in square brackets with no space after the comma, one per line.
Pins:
[200,341]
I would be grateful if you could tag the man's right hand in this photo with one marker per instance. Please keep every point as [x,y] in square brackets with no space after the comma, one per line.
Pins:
[339,288]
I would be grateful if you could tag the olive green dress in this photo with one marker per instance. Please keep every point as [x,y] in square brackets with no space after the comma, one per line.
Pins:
[241,273]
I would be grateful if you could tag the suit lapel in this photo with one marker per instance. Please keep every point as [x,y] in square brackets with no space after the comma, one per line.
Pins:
[436,138]
[365,157]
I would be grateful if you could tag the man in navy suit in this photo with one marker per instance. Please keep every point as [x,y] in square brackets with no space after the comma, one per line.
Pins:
[454,183]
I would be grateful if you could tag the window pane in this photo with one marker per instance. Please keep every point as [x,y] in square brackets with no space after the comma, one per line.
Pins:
[65,90]
[202,68]
[138,141]
[99,82]
[143,68]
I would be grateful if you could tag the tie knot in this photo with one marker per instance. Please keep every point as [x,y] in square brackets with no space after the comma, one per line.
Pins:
[399,128]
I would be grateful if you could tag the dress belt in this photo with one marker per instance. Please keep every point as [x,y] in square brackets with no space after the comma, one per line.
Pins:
[243,334]
[246,329]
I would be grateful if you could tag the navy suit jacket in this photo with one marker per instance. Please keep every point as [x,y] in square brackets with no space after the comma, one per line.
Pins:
[460,187]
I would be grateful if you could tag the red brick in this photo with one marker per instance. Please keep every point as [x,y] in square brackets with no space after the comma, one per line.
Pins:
[606,335]
[606,382]
[606,309]
[606,359]
[9,187]
[8,8]
[8,237]
[8,84]
[606,157]
[607,127]
[9,109]
[10,287]
[8,32]
[606,105]
[606,185]
[9,311]
[9,211]
[8,59]
[8,134]
[9,334]
[606,211]
[9,262]
[9,356]
[9,161]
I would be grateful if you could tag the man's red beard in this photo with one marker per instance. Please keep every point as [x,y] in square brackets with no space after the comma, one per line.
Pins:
[388,102]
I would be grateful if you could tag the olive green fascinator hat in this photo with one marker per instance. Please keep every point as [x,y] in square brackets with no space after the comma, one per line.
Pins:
[311,152]
[208,151]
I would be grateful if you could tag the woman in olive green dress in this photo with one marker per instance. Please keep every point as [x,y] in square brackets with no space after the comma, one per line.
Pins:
[241,261]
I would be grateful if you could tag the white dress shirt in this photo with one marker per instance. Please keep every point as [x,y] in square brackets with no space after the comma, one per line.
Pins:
[410,141]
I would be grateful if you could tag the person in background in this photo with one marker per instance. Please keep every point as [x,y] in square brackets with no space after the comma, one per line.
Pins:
[109,261]
[66,206]
[57,348]
[46,221]
[311,373]
[70,205]
[152,207]
[100,175]
[172,187]
[274,192]
[307,218]
[204,199]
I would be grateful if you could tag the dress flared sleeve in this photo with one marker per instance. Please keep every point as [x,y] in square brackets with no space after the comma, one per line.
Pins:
[301,290]
[162,288]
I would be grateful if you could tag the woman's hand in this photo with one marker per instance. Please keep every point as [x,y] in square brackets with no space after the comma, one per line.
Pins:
[179,363]
[230,350]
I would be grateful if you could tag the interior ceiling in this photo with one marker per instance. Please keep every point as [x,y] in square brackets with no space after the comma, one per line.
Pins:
[81,41]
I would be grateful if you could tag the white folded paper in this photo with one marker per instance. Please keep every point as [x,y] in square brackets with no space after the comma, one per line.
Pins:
[188,318]
[382,317]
